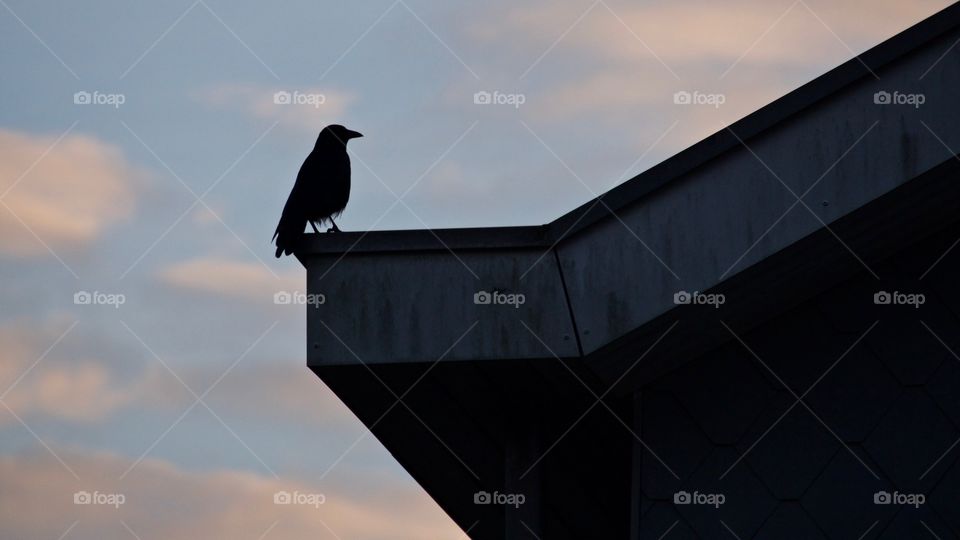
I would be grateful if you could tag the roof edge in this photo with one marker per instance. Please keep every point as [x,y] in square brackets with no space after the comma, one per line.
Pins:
[772,114]
[636,188]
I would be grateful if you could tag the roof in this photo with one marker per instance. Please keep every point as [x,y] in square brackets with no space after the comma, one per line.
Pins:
[635,189]
[726,209]
[777,208]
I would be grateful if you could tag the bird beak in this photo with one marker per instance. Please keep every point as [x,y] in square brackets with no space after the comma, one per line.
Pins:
[353,134]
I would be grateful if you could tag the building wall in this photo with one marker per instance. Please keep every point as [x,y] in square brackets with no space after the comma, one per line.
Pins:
[800,423]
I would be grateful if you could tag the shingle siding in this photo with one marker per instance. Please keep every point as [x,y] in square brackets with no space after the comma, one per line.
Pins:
[880,413]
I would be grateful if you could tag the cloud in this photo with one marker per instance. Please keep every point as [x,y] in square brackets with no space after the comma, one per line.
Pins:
[207,215]
[306,109]
[630,61]
[85,378]
[81,390]
[74,190]
[269,392]
[162,500]
[704,32]
[282,389]
[166,501]
[232,278]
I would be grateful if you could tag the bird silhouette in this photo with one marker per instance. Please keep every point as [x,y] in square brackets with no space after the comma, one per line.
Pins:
[321,191]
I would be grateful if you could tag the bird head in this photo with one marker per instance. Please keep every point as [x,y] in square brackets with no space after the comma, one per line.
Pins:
[337,133]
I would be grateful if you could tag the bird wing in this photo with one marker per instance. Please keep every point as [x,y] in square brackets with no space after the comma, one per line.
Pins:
[294,216]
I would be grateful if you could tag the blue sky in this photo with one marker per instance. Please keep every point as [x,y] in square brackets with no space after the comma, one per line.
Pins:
[170,198]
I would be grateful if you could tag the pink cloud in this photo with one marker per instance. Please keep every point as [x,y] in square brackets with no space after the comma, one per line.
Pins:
[66,192]
[229,277]
[83,390]
[300,108]
[161,500]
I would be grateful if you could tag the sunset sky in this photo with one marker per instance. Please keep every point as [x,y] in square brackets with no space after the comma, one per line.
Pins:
[191,398]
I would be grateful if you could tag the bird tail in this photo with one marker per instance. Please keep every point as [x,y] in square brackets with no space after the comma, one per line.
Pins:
[287,234]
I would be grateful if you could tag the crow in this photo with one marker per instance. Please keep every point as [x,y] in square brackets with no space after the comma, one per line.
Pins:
[321,190]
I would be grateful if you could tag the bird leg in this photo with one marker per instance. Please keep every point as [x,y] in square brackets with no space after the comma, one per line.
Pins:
[334,228]
[312,224]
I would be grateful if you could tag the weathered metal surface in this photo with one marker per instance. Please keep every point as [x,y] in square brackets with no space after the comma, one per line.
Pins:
[421,307]
[735,210]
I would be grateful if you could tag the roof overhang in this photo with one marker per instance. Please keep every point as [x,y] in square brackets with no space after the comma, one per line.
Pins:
[806,191]
[755,198]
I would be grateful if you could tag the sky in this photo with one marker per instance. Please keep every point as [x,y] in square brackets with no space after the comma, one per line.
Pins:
[150,387]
